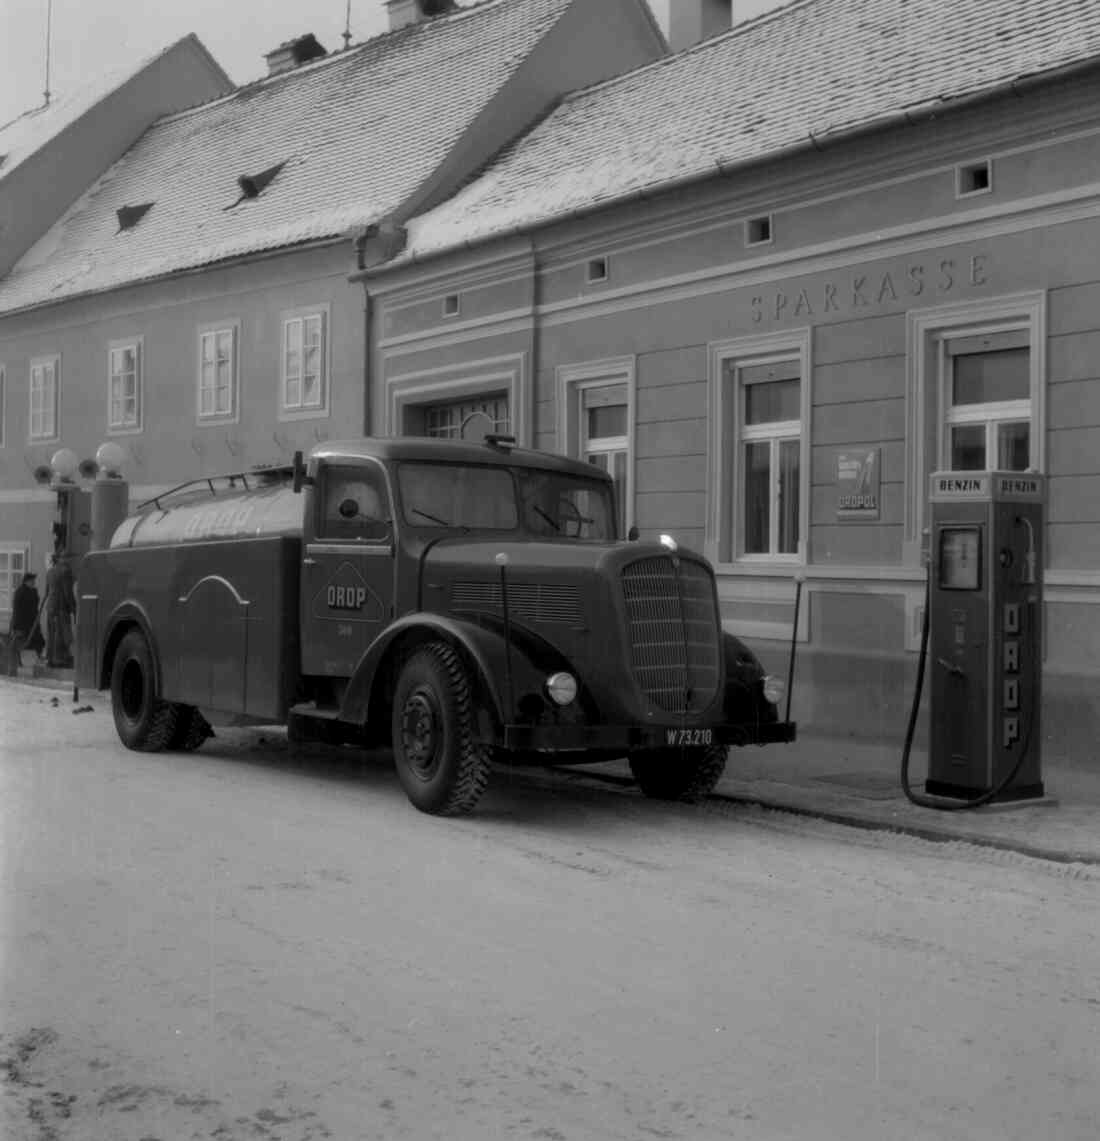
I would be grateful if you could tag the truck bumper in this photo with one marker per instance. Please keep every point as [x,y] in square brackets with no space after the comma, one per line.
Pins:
[604,738]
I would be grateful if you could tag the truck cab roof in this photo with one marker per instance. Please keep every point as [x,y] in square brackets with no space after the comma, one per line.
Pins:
[425,449]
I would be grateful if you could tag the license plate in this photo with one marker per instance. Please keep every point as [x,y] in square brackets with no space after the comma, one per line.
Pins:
[686,738]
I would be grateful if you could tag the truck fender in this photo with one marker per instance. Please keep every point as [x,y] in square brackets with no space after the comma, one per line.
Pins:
[744,697]
[484,648]
[128,613]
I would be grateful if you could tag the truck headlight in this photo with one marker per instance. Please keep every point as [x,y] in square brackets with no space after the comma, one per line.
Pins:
[562,688]
[774,688]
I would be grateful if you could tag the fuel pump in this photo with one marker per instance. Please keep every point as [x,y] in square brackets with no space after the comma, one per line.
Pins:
[982,635]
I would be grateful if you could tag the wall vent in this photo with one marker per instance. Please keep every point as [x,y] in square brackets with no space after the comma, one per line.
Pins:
[450,305]
[758,231]
[598,270]
[973,178]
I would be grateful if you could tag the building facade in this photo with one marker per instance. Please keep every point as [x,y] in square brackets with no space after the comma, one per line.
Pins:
[774,354]
[193,303]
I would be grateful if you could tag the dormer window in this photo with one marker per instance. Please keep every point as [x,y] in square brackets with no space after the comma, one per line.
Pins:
[253,185]
[129,216]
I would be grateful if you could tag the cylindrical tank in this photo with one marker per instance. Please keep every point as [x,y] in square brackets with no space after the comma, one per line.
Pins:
[110,505]
[199,516]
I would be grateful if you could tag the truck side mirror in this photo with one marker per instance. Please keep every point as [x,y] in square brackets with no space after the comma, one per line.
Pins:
[632,534]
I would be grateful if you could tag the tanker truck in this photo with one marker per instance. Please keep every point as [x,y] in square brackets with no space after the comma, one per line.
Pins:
[465,604]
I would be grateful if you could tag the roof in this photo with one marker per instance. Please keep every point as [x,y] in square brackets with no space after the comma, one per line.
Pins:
[30,132]
[356,132]
[801,73]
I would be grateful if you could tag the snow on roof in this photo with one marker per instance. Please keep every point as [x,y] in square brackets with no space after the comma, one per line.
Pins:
[31,131]
[808,70]
[356,131]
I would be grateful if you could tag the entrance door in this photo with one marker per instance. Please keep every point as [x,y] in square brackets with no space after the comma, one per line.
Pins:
[348,567]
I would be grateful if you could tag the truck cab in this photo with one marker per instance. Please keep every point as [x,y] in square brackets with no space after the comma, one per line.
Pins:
[466,603]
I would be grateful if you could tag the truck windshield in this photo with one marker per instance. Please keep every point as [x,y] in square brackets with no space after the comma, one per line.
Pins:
[473,498]
[556,503]
[458,495]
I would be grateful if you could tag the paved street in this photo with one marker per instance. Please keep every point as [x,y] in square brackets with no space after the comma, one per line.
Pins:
[251,944]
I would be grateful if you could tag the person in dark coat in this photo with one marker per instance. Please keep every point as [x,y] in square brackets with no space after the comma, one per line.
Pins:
[25,629]
[60,608]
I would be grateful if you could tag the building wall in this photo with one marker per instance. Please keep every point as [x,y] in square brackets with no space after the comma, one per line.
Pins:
[172,444]
[875,268]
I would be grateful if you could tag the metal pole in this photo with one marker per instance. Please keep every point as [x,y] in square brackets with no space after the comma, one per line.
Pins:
[794,639]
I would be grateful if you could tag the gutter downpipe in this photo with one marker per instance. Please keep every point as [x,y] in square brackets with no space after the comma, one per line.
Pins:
[907,117]
[360,244]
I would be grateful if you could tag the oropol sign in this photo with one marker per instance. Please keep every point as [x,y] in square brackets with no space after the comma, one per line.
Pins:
[858,484]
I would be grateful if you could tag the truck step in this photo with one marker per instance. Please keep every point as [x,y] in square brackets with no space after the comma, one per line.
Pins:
[312,709]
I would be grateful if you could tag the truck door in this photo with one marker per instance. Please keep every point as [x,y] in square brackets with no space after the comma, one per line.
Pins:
[348,567]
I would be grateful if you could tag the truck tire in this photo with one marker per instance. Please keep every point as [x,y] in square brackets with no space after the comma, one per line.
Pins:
[143,721]
[442,769]
[687,775]
[190,731]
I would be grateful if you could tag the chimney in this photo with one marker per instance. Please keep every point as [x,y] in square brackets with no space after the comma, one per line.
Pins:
[690,21]
[293,53]
[405,12]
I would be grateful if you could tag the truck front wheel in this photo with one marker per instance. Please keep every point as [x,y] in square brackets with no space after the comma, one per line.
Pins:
[679,774]
[143,721]
[442,768]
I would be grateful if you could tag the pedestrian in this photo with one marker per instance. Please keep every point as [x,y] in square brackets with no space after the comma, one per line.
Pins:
[60,607]
[25,631]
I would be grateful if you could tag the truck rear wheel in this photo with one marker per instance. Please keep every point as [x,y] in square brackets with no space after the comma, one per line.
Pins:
[143,721]
[442,768]
[679,774]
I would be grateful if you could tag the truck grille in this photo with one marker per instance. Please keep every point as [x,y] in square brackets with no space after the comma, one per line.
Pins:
[673,631]
[527,601]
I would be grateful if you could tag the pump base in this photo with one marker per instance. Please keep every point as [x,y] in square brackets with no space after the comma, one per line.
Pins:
[961,792]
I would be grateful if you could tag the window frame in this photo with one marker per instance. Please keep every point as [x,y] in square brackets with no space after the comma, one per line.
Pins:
[926,333]
[51,360]
[288,412]
[212,329]
[725,538]
[7,550]
[573,381]
[118,346]
[3,404]
[989,414]
[412,391]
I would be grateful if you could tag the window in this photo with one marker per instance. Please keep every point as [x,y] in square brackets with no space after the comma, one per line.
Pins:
[445,421]
[987,396]
[355,504]
[605,434]
[769,398]
[305,364]
[596,423]
[758,452]
[450,305]
[13,565]
[979,410]
[218,369]
[124,386]
[43,394]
